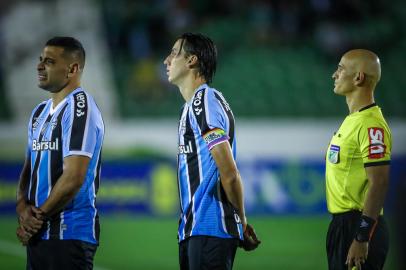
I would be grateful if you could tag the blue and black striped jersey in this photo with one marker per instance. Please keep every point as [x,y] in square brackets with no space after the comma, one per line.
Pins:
[73,127]
[206,121]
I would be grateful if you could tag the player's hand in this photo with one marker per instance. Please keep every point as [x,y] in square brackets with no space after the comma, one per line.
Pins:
[30,219]
[251,240]
[357,255]
[23,235]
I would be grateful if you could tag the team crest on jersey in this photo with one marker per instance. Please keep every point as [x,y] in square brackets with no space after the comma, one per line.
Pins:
[334,154]
[377,146]
[36,122]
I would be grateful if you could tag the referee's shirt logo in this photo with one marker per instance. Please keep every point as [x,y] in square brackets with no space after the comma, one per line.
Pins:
[376,141]
[334,154]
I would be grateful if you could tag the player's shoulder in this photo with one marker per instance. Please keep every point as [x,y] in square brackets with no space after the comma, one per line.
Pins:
[40,107]
[372,117]
[206,95]
[81,100]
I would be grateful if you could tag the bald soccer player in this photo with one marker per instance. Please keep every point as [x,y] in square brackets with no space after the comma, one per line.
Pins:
[357,169]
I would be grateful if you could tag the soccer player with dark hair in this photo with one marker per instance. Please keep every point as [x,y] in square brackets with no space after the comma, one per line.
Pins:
[357,169]
[212,222]
[56,194]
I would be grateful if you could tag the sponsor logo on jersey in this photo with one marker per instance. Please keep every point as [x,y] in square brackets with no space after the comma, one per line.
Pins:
[186,149]
[334,154]
[80,104]
[45,145]
[377,146]
[237,218]
[197,102]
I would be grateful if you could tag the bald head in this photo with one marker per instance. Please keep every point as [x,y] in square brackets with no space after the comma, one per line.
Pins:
[366,62]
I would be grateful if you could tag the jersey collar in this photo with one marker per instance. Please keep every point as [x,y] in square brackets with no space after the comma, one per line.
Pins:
[367,107]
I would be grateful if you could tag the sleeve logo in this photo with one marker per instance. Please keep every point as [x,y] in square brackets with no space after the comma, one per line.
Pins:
[80,103]
[197,102]
[376,143]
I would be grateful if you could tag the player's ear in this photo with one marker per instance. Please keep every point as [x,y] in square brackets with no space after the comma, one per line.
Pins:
[359,78]
[73,69]
[192,61]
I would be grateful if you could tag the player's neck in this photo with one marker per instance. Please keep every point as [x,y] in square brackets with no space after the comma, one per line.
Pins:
[360,99]
[189,86]
[59,96]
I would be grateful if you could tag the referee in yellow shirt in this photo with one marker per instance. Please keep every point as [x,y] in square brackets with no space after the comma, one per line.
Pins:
[357,169]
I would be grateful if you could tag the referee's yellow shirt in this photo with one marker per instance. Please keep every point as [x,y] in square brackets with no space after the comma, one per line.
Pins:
[363,140]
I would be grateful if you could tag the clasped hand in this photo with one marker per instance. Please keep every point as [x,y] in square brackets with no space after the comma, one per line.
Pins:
[30,222]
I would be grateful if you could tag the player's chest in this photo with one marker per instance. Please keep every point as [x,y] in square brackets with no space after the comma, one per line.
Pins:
[187,125]
[46,133]
[343,147]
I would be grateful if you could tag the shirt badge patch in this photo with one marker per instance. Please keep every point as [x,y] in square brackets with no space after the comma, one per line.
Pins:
[334,154]
[377,145]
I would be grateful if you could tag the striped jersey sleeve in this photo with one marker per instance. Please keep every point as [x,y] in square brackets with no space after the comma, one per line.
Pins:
[211,117]
[79,128]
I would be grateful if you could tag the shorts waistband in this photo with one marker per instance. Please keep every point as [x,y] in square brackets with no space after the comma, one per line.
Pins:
[348,213]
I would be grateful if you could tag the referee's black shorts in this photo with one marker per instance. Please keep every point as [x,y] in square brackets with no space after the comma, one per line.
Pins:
[207,253]
[60,255]
[340,235]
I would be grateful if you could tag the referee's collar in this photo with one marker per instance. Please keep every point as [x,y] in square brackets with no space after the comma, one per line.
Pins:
[367,107]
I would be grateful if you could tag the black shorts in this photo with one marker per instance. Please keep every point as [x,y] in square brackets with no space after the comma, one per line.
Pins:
[60,255]
[206,252]
[340,235]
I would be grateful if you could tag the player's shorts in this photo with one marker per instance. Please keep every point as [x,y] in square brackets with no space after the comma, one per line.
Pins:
[340,235]
[206,252]
[60,255]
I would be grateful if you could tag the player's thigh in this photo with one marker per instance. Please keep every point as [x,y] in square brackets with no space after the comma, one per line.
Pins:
[61,255]
[340,235]
[211,253]
[183,255]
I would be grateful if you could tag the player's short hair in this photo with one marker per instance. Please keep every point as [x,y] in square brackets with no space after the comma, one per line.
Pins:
[205,50]
[71,46]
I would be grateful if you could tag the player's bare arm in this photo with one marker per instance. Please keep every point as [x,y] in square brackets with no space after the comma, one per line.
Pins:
[68,184]
[378,177]
[231,182]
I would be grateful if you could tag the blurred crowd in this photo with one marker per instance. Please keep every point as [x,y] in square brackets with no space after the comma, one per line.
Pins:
[140,34]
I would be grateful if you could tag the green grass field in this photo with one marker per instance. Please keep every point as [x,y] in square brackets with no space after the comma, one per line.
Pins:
[148,243]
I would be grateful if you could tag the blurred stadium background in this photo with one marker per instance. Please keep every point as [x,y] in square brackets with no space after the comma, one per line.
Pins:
[275,64]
